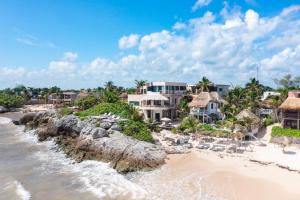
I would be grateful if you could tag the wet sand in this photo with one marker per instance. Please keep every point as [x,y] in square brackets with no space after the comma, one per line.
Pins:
[233,178]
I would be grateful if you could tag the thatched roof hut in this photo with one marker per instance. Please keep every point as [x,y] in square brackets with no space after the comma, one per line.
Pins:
[291,103]
[202,100]
[246,113]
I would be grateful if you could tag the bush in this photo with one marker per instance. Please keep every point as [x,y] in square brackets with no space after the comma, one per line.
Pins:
[86,102]
[188,123]
[65,111]
[206,127]
[137,130]
[268,121]
[11,101]
[121,109]
[281,132]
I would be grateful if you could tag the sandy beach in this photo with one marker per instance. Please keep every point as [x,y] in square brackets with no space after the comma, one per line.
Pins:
[231,178]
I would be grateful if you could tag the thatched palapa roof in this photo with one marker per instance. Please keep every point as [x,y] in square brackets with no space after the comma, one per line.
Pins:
[202,100]
[246,113]
[291,103]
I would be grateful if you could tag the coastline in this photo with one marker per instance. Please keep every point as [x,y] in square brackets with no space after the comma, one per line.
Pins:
[234,178]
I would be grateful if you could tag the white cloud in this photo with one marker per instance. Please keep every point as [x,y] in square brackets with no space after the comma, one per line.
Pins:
[226,51]
[200,3]
[26,41]
[179,26]
[130,41]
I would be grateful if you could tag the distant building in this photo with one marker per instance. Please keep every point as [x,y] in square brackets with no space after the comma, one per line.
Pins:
[219,88]
[222,89]
[159,99]
[291,110]
[268,94]
[65,98]
[206,106]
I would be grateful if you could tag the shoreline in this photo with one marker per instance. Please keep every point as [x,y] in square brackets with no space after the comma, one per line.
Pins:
[236,178]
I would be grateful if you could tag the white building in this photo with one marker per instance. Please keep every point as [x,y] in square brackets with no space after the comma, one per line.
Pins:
[220,88]
[160,99]
[206,106]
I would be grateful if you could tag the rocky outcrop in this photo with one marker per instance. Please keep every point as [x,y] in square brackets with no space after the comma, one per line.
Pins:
[3,109]
[97,138]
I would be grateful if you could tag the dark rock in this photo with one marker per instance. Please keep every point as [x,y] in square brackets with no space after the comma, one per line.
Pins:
[28,117]
[3,109]
[116,127]
[105,125]
[99,133]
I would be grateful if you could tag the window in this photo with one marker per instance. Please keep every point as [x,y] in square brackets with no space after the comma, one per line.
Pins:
[220,89]
[212,106]
[182,88]
[175,101]
[176,88]
[159,88]
[157,102]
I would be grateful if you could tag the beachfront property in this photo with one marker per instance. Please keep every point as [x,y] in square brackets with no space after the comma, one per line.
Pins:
[291,110]
[222,89]
[206,106]
[65,98]
[159,99]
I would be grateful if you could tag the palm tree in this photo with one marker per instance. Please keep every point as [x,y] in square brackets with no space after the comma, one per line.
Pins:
[139,86]
[204,85]
[109,85]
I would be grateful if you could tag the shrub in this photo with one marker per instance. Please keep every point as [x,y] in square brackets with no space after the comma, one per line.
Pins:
[11,101]
[268,121]
[86,102]
[65,111]
[137,130]
[281,132]
[121,109]
[206,127]
[188,123]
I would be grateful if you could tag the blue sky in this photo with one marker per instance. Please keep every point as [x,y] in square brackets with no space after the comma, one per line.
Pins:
[85,43]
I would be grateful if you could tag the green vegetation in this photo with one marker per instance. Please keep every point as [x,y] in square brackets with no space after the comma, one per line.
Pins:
[284,132]
[121,109]
[188,123]
[137,130]
[86,102]
[206,127]
[11,101]
[65,111]
[268,121]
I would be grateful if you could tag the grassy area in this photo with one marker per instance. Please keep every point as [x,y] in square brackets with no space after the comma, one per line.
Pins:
[11,101]
[65,111]
[137,130]
[121,109]
[280,132]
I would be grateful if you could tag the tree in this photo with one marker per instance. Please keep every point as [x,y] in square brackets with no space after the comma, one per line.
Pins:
[204,85]
[139,86]
[109,85]
[86,102]
[288,82]
[110,96]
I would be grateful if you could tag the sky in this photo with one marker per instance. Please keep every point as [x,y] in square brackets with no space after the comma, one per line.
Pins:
[85,43]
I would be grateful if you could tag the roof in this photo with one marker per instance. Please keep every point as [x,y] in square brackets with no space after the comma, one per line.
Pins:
[83,94]
[247,113]
[202,100]
[291,103]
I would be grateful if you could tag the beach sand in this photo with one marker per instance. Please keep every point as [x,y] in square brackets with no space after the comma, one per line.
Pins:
[233,178]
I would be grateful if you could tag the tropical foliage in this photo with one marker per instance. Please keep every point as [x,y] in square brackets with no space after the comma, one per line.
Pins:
[86,102]
[204,85]
[282,132]
[11,101]
[139,86]
[121,109]
[137,130]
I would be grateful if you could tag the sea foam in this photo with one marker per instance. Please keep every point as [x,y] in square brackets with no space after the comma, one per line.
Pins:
[4,120]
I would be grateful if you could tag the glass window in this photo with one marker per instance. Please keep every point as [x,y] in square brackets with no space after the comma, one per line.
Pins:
[212,106]
[176,88]
[159,88]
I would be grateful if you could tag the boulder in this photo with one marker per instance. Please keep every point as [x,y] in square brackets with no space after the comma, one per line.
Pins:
[3,109]
[105,125]
[28,117]
[116,127]
[99,133]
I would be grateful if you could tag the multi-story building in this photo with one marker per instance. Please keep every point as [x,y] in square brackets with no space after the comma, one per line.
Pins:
[65,98]
[206,106]
[159,99]
[219,88]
